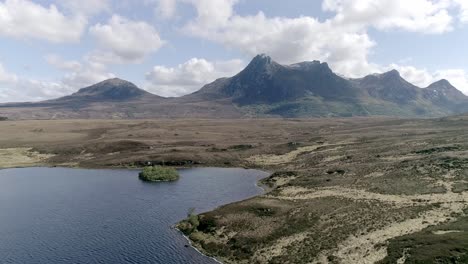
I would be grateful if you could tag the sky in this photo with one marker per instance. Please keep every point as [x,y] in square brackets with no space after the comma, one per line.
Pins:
[51,48]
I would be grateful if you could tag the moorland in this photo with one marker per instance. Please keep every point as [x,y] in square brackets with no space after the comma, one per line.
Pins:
[341,190]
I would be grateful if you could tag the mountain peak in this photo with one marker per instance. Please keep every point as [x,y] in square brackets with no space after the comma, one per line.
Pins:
[442,82]
[115,82]
[389,86]
[443,92]
[392,74]
[264,81]
[111,89]
[443,85]
[262,63]
[262,58]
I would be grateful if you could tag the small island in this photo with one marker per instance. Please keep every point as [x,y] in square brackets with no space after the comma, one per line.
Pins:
[158,174]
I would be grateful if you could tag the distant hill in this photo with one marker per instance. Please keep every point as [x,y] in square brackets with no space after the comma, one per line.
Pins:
[106,91]
[112,90]
[264,88]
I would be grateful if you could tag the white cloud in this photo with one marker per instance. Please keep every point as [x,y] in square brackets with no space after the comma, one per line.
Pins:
[457,77]
[287,40]
[28,89]
[463,5]
[418,77]
[14,88]
[62,64]
[6,77]
[86,7]
[166,8]
[189,76]
[342,40]
[78,75]
[213,13]
[125,41]
[25,19]
[24,90]
[424,16]
[86,76]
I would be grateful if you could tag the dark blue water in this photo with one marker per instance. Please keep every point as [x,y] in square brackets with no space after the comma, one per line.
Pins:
[55,215]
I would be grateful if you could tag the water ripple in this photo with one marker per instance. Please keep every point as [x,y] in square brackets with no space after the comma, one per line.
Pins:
[55,215]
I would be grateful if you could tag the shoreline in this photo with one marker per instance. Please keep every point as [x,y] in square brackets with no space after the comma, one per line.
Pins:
[265,189]
[191,244]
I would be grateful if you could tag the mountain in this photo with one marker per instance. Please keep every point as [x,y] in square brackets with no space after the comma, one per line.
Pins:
[264,88]
[116,99]
[107,91]
[389,86]
[264,81]
[443,92]
[311,89]
[111,90]
[406,99]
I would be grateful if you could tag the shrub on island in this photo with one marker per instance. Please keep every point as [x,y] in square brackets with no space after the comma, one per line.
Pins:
[158,174]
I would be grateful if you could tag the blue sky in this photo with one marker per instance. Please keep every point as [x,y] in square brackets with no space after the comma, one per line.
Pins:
[50,48]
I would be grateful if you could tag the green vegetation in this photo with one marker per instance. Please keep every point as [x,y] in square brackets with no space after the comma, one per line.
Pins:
[190,224]
[234,233]
[451,163]
[438,149]
[278,177]
[158,174]
[447,243]
[313,106]
[2,118]
[241,147]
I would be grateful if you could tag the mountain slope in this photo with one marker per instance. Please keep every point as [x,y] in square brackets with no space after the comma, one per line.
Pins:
[389,86]
[109,90]
[264,81]
[406,99]
[308,89]
[443,93]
